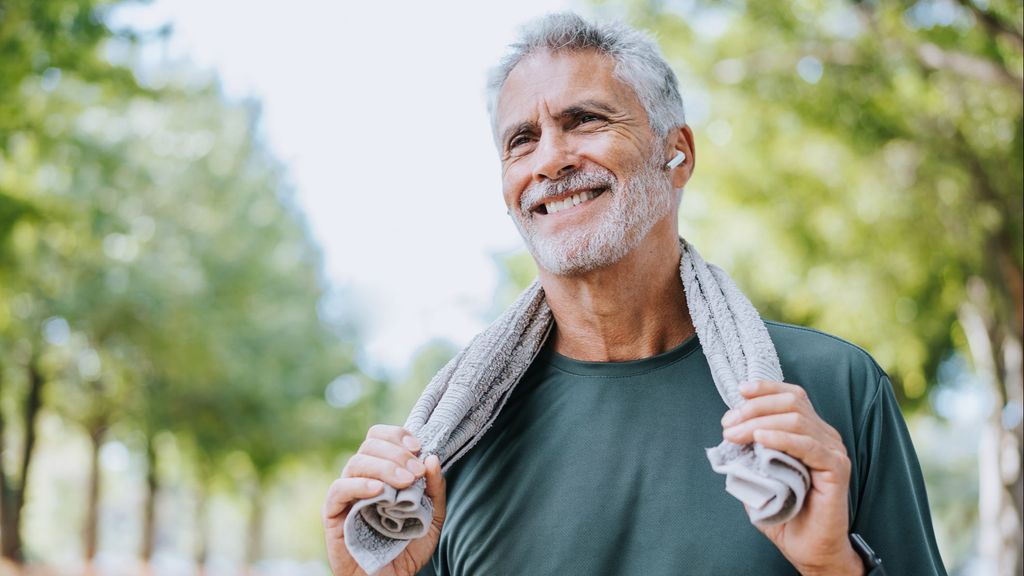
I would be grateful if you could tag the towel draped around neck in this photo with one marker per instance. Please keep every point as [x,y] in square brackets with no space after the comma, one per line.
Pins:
[463,399]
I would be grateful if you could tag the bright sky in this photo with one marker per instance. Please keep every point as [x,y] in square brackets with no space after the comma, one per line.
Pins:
[377,110]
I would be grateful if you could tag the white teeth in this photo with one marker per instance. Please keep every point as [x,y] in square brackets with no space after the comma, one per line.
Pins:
[574,200]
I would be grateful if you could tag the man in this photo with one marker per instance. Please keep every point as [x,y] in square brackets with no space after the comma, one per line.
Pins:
[596,463]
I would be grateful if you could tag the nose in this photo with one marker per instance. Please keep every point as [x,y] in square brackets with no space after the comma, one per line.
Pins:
[554,157]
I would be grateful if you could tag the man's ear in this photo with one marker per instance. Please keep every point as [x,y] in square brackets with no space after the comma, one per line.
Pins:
[680,139]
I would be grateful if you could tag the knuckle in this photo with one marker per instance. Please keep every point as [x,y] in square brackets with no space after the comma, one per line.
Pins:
[356,465]
[841,448]
[334,488]
[836,437]
[842,460]
[791,399]
[371,446]
[378,431]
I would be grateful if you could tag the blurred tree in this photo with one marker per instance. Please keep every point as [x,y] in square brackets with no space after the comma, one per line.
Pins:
[155,270]
[874,149]
[237,354]
[40,42]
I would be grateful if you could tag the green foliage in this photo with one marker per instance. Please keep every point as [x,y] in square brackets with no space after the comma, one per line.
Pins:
[153,256]
[856,162]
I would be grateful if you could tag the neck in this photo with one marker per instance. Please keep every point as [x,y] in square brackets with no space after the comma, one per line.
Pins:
[632,309]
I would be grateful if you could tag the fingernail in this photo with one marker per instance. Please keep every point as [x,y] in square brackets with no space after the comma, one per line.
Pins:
[747,387]
[374,484]
[415,466]
[730,418]
[411,443]
[404,475]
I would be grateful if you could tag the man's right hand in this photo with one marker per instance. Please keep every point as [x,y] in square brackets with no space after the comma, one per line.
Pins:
[387,455]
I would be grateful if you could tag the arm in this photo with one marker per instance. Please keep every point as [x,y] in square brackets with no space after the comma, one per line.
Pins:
[892,514]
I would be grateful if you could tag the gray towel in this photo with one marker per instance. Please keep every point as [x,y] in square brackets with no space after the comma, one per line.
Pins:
[462,400]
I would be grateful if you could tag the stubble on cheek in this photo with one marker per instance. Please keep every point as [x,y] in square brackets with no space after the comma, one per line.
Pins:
[631,208]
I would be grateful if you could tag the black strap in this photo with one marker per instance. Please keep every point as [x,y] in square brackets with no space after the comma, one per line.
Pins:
[872,562]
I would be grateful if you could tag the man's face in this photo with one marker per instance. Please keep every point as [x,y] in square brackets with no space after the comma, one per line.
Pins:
[582,171]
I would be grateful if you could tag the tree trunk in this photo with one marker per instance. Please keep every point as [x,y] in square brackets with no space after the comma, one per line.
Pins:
[149,508]
[90,531]
[254,547]
[13,498]
[9,544]
[997,356]
[202,531]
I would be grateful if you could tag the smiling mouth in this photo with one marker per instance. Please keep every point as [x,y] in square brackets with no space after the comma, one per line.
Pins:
[553,206]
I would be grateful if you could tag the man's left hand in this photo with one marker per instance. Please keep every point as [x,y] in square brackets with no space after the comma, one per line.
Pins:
[780,416]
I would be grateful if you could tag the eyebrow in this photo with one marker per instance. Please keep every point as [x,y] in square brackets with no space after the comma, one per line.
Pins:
[569,112]
[586,106]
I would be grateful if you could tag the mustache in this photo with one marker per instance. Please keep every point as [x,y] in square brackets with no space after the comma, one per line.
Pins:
[578,179]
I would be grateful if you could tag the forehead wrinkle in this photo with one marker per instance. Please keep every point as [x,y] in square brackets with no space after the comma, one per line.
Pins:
[528,125]
[540,73]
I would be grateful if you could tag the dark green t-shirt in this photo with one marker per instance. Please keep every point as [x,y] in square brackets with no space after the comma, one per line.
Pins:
[598,468]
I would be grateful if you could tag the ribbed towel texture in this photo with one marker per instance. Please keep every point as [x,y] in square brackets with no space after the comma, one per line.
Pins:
[462,400]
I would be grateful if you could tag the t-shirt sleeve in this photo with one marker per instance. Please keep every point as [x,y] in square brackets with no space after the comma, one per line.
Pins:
[892,514]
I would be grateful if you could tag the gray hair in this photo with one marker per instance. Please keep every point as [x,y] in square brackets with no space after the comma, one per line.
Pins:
[638,63]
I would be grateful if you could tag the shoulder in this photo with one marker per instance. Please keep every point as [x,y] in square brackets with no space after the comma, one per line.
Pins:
[804,348]
[840,377]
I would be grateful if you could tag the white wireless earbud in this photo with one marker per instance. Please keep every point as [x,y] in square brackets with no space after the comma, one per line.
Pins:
[678,159]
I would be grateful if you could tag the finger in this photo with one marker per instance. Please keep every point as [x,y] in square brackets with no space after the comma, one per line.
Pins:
[366,466]
[394,434]
[757,388]
[764,405]
[393,452]
[436,487]
[344,491]
[743,433]
[815,454]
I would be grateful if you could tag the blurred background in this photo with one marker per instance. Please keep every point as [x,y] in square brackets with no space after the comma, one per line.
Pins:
[233,235]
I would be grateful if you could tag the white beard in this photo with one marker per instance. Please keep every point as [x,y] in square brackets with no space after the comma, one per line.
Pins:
[635,206]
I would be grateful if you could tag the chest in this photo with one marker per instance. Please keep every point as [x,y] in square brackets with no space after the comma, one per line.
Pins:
[601,479]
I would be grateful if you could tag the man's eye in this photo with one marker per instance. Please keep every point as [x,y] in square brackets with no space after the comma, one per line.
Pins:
[518,141]
[587,118]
